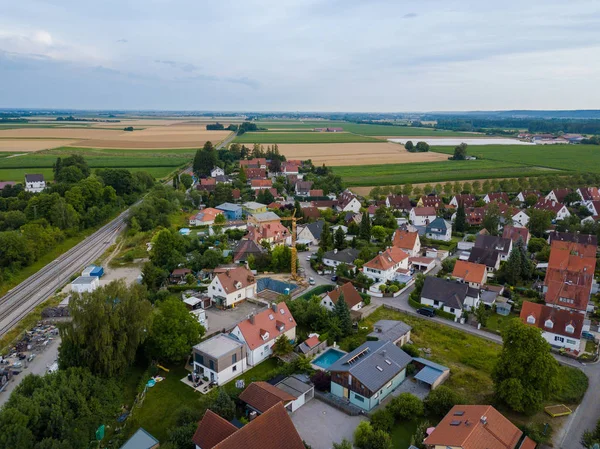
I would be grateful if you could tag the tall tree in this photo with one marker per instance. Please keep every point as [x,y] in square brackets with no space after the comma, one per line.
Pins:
[106,329]
[166,247]
[525,372]
[326,241]
[512,267]
[242,175]
[342,312]
[409,145]
[339,239]
[365,227]
[460,222]
[205,160]
[460,152]
[491,219]
[223,405]
[539,221]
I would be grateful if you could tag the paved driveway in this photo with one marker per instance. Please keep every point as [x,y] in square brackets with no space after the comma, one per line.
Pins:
[321,425]
[227,319]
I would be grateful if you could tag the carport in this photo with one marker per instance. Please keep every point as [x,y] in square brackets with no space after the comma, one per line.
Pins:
[430,373]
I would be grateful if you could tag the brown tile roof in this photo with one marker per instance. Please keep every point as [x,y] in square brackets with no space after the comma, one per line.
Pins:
[325,203]
[551,205]
[498,196]
[560,318]
[399,202]
[561,194]
[351,295]
[262,396]
[311,212]
[311,342]
[470,272]
[264,183]
[528,443]
[256,173]
[387,259]
[469,432]
[271,430]
[424,211]
[244,248]
[568,288]
[273,322]
[466,200]
[590,193]
[474,215]
[236,279]
[432,201]
[405,239]
[212,429]
[315,192]
[514,233]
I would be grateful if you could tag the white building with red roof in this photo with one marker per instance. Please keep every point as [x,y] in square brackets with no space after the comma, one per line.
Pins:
[232,286]
[259,332]
[422,216]
[388,266]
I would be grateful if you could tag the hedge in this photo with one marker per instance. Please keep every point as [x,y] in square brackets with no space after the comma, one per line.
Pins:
[316,291]
[182,288]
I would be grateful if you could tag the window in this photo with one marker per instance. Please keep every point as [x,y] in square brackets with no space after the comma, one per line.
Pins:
[234,358]
[389,385]
[199,359]
[560,339]
[234,369]
[531,319]
[359,398]
[571,342]
[549,324]
[211,364]
[570,329]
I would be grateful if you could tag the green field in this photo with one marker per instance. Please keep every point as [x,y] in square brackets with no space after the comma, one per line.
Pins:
[420,172]
[583,158]
[302,137]
[159,163]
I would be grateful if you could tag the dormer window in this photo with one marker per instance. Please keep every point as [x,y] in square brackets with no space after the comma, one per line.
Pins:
[549,324]
[530,319]
[570,329]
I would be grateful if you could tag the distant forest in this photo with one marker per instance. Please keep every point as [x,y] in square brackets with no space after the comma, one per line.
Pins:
[534,126]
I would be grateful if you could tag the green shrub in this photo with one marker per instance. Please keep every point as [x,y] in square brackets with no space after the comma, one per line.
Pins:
[439,401]
[411,350]
[382,420]
[406,406]
[411,369]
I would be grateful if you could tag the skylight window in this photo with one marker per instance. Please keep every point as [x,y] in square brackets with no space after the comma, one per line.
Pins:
[380,368]
[388,362]
[271,317]
[282,311]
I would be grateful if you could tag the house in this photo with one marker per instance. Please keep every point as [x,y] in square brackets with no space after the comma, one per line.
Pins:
[499,197]
[398,202]
[260,331]
[273,429]
[253,208]
[264,218]
[257,162]
[420,263]
[348,202]
[515,233]
[519,218]
[324,204]
[451,296]
[232,286]
[588,194]
[179,274]
[205,217]
[422,216]
[336,257]
[560,327]
[291,392]
[407,241]
[85,284]
[316,193]
[594,208]
[489,242]
[207,184]
[523,194]
[350,294]
[398,332]
[582,239]
[141,439]
[290,167]
[387,265]
[230,210]
[93,270]
[559,209]
[220,358]
[34,183]
[246,248]
[259,184]
[439,229]
[430,201]
[430,373]
[465,200]
[312,345]
[474,274]
[488,257]
[353,217]
[303,188]
[273,233]
[256,173]
[310,233]
[311,212]
[558,195]
[477,427]
[367,375]
[217,171]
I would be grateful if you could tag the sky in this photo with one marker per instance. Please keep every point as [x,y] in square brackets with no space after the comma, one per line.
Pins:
[300,55]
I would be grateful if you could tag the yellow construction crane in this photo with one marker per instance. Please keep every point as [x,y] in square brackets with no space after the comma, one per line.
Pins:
[294,219]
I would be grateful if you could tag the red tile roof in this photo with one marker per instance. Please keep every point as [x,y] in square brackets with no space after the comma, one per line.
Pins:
[560,319]
[432,201]
[590,193]
[424,211]
[236,279]
[387,259]
[568,288]
[464,427]
[514,233]
[311,342]
[561,194]
[264,183]
[498,196]
[315,192]
[405,239]
[551,205]
[212,429]
[351,295]
[256,173]
[466,200]
[470,272]
[273,322]
[311,212]
[262,396]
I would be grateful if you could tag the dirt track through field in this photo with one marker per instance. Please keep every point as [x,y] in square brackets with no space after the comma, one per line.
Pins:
[368,153]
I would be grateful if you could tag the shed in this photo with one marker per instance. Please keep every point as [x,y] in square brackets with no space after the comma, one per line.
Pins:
[93,270]
[503,307]
[430,373]
[141,440]
[302,391]
[85,284]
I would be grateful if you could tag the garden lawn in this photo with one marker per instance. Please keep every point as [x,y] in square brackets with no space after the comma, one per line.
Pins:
[402,433]
[421,172]
[496,323]
[302,137]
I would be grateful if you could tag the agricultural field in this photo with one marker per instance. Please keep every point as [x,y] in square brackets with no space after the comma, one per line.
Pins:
[159,163]
[342,154]
[582,158]
[302,137]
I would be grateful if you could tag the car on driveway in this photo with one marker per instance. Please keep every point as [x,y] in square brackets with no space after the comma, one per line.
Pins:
[334,278]
[311,281]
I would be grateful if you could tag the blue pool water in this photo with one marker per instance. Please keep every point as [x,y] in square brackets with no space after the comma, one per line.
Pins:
[328,358]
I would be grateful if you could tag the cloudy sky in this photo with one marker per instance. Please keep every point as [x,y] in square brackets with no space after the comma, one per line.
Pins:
[300,55]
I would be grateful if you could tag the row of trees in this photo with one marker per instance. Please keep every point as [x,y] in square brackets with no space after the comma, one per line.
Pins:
[420,147]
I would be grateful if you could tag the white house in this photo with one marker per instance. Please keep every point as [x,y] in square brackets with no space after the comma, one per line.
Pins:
[451,296]
[311,233]
[220,358]
[439,229]
[407,241]
[34,183]
[259,332]
[520,219]
[522,195]
[334,257]
[387,266]
[85,284]
[217,171]
[350,294]
[559,209]
[232,286]
[348,202]
[561,328]
[422,216]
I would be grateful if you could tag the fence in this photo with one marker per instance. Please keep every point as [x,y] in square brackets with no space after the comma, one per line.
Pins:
[338,403]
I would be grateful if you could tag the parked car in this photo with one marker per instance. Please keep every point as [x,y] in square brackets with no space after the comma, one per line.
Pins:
[309,257]
[426,311]
[334,278]
[311,281]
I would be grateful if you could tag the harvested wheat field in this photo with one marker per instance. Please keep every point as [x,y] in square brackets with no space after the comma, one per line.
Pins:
[339,154]
[60,133]
[25,145]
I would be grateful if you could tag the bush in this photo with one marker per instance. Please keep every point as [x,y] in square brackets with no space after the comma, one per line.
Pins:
[393,289]
[411,350]
[439,401]
[411,369]
[321,380]
[406,406]
[382,420]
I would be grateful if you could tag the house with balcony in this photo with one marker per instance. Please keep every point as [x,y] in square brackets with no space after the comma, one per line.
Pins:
[388,266]
[232,286]
[220,358]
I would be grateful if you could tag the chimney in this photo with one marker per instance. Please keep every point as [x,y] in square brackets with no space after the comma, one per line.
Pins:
[274,307]
[483,420]
[228,273]
[251,318]
[383,353]
[335,251]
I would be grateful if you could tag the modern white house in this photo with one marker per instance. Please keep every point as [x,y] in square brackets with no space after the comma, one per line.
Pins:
[561,328]
[220,358]
[232,286]
[259,332]
[422,216]
[85,284]
[450,296]
[388,265]
[34,183]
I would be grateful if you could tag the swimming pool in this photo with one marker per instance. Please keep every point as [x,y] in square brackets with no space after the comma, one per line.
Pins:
[328,358]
